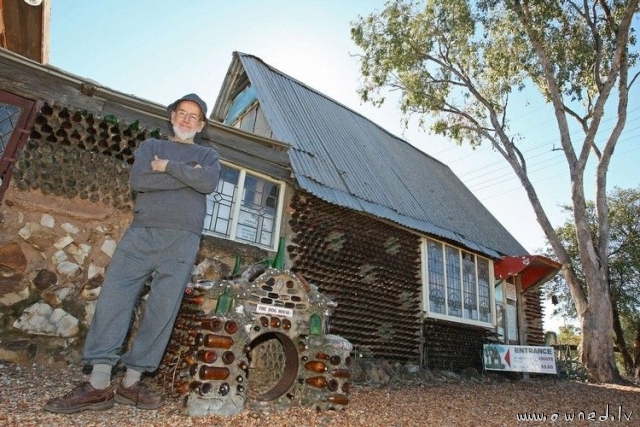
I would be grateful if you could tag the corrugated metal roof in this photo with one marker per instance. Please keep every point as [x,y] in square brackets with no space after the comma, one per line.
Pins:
[344,158]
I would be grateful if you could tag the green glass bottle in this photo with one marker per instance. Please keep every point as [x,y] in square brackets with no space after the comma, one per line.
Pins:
[315,324]
[278,262]
[236,267]
[225,301]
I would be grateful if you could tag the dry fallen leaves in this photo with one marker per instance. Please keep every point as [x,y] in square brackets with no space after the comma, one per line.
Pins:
[24,390]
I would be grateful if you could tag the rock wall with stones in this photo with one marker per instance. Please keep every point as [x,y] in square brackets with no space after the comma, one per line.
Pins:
[68,204]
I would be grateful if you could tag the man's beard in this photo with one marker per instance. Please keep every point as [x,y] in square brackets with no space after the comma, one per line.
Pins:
[182,135]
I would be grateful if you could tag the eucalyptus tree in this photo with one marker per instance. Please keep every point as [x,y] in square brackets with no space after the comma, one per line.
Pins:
[455,64]
[624,272]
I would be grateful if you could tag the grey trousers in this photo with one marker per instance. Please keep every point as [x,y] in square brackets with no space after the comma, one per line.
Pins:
[167,256]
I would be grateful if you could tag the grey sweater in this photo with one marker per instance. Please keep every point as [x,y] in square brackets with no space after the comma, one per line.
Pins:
[175,198]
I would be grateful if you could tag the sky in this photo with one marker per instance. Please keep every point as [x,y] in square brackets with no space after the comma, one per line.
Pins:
[160,50]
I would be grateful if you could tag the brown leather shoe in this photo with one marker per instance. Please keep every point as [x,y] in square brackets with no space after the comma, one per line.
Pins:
[139,395]
[81,398]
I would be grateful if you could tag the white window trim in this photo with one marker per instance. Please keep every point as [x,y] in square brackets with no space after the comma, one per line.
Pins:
[236,208]
[425,288]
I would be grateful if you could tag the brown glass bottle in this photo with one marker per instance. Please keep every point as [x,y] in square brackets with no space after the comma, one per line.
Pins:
[275,322]
[182,387]
[338,399]
[333,385]
[319,382]
[198,340]
[193,370]
[228,357]
[196,300]
[346,387]
[286,324]
[315,366]
[231,327]
[340,373]
[189,359]
[335,359]
[201,388]
[213,324]
[207,356]
[213,373]
[217,341]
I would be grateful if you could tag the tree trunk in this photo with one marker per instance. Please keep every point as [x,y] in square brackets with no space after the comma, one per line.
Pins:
[597,339]
[636,354]
[620,342]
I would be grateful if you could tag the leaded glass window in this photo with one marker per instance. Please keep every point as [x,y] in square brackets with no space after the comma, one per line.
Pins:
[245,207]
[457,284]
[436,277]
[454,285]
[9,115]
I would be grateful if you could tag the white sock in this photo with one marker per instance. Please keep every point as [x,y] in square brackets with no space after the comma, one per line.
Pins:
[131,377]
[100,376]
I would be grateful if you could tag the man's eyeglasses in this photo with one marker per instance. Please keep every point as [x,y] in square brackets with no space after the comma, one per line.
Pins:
[185,115]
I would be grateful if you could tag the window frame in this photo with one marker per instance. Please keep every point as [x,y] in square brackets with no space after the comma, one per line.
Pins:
[236,204]
[19,135]
[445,249]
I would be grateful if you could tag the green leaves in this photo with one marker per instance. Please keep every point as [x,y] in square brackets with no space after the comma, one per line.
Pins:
[452,58]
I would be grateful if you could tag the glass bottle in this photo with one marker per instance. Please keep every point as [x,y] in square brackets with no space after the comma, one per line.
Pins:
[213,373]
[315,324]
[231,327]
[315,366]
[338,399]
[225,301]
[201,388]
[217,341]
[275,322]
[214,324]
[207,356]
[224,389]
[182,388]
[228,357]
[341,373]
[236,266]
[278,262]
[198,340]
[319,382]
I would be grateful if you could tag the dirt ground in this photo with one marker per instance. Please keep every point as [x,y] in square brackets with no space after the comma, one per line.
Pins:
[548,401]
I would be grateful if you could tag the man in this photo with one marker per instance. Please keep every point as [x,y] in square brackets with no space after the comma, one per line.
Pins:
[172,178]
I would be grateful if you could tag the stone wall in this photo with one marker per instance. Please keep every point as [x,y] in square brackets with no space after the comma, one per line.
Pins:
[53,255]
[67,205]
[53,252]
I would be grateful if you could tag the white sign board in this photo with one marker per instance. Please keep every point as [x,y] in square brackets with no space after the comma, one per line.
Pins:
[279,311]
[519,358]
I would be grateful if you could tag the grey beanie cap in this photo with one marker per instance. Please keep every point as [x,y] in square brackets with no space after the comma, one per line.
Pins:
[190,97]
